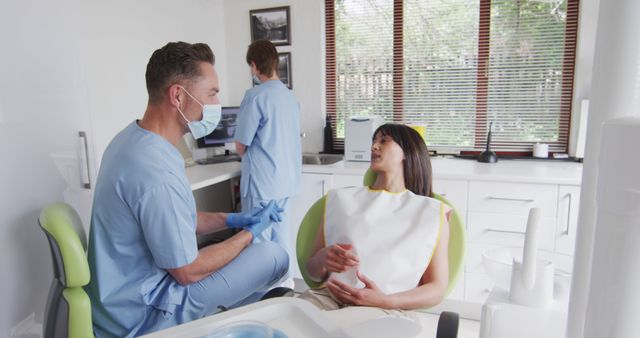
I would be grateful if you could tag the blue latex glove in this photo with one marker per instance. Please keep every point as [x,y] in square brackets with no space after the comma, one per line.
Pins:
[239,220]
[275,212]
[265,218]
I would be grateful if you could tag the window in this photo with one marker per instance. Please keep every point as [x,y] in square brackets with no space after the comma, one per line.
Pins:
[455,66]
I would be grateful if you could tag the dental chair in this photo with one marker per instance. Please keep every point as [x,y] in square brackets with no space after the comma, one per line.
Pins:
[68,311]
[448,321]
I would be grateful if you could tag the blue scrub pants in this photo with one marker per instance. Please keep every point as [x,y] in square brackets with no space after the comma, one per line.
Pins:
[243,281]
[279,232]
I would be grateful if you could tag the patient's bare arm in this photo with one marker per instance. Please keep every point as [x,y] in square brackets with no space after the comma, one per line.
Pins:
[430,292]
[334,258]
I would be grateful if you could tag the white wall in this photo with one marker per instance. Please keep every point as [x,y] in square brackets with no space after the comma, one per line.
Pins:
[585,50]
[123,34]
[307,59]
[69,65]
[307,52]
[43,97]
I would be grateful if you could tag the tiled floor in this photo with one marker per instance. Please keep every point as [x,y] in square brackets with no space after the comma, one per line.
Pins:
[469,329]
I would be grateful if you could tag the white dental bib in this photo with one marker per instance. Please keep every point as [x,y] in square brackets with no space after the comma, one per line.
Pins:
[393,234]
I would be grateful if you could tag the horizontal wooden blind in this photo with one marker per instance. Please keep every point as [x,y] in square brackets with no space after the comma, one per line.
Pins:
[455,66]
[529,84]
[441,57]
[362,71]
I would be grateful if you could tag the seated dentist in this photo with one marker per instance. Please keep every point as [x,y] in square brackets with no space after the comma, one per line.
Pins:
[384,246]
[147,273]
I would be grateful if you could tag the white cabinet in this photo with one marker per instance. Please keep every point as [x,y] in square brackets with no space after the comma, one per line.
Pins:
[497,217]
[312,188]
[567,226]
[512,198]
[342,181]
[455,191]
[493,204]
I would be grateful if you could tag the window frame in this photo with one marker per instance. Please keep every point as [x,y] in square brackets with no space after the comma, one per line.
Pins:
[482,80]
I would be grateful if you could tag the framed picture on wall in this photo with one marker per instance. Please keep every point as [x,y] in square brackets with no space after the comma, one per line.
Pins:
[284,68]
[271,24]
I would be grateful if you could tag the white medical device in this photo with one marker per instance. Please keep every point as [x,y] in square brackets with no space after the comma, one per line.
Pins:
[614,291]
[358,132]
[532,279]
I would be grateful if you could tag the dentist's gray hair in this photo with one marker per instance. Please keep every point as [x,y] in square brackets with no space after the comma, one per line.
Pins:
[174,63]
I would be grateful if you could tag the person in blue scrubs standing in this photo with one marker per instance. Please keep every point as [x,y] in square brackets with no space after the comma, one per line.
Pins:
[147,272]
[268,139]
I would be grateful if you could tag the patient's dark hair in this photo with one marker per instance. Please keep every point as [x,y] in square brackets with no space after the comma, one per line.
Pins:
[416,165]
[176,62]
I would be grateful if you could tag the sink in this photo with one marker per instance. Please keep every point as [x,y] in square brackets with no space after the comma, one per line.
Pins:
[321,159]
[498,263]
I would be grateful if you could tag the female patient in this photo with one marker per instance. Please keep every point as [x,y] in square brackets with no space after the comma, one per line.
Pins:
[385,245]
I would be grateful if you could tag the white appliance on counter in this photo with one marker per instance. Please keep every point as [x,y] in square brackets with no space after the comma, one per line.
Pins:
[358,132]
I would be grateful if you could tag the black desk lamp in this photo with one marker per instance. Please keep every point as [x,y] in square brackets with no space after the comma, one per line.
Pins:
[488,156]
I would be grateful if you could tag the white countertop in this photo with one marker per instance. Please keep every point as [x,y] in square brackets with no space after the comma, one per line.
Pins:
[525,171]
[201,176]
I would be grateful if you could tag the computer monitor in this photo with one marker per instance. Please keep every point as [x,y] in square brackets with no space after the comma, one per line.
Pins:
[224,131]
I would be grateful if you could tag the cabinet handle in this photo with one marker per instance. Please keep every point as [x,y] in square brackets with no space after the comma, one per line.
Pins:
[566,232]
[506,231]
[323,182]
[511,199]
[86,180]
[443,194]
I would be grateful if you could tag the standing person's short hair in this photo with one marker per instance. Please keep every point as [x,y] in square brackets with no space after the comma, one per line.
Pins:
[264,54]
[417,165]
[176,62]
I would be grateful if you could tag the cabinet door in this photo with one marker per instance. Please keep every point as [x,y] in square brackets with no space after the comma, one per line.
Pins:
[567,221]
[512,198]
[453,190]
[342,181]
[312,188]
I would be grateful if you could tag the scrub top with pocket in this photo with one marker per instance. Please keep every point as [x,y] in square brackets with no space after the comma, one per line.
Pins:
[143,222]
[269,125]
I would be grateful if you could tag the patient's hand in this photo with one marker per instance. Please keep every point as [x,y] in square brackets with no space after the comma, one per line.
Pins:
[370,295]
[338,258]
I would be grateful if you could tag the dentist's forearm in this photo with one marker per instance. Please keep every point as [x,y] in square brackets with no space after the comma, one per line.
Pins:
[212,258]
[209,222]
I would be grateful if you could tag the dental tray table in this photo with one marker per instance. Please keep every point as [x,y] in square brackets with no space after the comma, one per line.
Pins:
[293,317]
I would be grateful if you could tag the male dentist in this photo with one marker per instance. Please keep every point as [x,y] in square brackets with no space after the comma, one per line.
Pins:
[147,273]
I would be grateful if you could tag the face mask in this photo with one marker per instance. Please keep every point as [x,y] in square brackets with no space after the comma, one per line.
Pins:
[211,114]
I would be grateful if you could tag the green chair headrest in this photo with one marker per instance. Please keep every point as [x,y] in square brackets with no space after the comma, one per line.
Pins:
[63,226]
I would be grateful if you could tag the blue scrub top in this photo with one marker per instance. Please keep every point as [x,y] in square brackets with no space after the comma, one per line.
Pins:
[269,125]
[143,222]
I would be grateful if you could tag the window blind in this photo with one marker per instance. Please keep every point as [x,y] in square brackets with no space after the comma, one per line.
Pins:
[455,66]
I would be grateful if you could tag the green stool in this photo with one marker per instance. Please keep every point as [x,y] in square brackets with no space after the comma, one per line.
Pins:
[68,311]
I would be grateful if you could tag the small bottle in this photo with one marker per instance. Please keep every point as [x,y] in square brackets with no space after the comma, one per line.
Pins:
[328,136]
